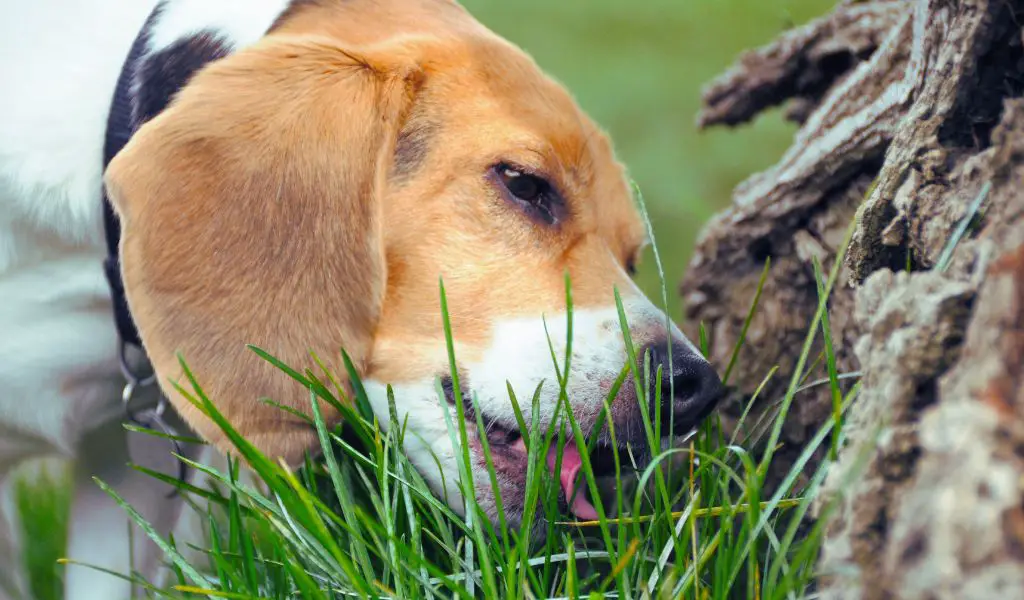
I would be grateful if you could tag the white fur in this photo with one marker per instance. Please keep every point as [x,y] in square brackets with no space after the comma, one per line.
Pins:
[240,22]
[59,377]
[60,63]
[427,442]
[519,354]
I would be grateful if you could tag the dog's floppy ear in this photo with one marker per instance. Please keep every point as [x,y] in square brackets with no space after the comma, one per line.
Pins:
[251,211]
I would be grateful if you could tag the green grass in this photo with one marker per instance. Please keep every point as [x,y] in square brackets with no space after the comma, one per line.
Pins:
[360,522]
[43,501]
[695,523]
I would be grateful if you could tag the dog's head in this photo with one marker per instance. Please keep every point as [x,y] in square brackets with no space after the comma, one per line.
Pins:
[309,192]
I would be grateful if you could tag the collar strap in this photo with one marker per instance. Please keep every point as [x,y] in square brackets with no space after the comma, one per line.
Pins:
[120,127]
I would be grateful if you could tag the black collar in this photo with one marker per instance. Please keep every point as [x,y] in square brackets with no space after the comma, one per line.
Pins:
[120,127]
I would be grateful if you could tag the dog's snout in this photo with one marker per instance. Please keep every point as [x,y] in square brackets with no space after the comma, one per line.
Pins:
[690,387]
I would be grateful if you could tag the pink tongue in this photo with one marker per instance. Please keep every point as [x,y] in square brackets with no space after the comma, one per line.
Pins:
[571,463]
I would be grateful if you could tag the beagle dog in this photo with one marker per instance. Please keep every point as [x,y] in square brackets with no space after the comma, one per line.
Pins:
[300,176]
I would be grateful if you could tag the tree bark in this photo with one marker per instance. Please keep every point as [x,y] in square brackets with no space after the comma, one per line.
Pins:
[912,122]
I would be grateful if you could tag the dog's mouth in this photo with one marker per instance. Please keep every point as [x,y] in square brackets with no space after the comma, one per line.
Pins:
[508,447]
[510,456]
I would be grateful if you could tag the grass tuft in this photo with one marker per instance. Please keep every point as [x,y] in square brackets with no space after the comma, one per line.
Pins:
[696,522]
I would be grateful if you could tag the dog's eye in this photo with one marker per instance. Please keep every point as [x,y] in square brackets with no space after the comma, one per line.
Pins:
[533,193]
[523,186]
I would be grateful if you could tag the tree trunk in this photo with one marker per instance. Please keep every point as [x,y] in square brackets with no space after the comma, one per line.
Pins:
[911,120]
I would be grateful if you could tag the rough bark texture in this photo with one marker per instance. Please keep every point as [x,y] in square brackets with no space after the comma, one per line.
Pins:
[922,98]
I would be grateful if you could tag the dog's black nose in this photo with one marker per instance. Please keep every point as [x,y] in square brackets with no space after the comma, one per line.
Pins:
[690,387]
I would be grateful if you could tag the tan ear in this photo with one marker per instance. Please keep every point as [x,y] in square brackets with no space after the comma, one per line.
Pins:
[251,215]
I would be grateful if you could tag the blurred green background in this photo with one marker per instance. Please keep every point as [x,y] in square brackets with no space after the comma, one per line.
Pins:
[637,68]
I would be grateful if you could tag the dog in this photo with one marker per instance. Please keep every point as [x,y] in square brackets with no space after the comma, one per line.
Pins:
[300,175]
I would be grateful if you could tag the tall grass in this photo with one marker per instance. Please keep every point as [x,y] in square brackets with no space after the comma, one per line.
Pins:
[43,502]
[697,522]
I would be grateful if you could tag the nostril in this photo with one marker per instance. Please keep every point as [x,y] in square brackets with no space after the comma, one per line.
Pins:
[680,386]
[689,387]
[703,390]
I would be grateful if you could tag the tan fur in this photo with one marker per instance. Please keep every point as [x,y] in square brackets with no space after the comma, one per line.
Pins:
[260,207]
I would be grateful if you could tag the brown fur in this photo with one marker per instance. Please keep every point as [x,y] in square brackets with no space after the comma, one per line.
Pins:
[264,206]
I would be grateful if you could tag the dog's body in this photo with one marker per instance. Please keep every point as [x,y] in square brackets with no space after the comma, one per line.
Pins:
[374,286]
[59,369]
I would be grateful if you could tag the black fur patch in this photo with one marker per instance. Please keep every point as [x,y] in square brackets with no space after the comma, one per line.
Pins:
[160,75]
